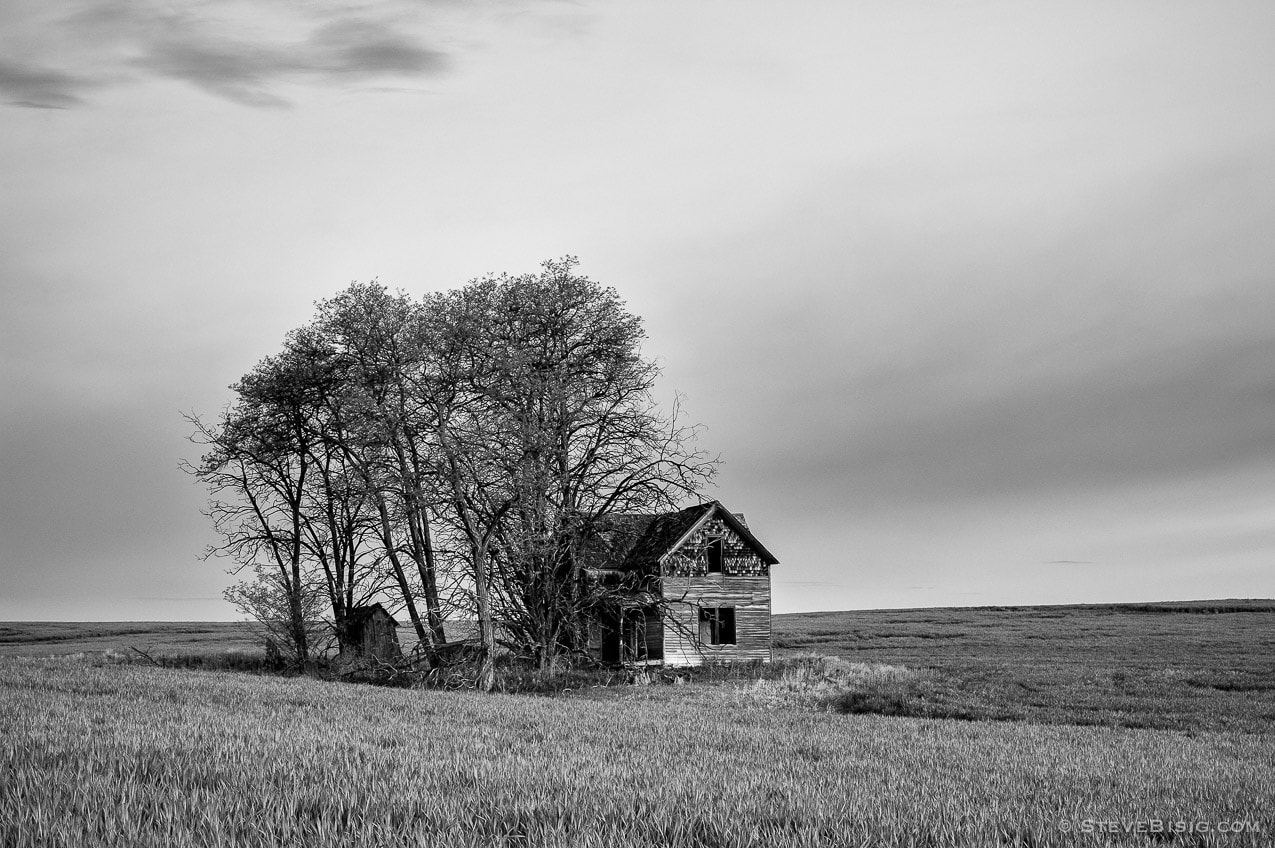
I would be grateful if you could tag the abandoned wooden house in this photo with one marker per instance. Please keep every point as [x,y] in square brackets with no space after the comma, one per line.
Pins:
[690,587]
[372,632]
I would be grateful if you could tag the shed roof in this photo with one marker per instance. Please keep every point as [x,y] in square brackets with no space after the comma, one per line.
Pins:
[358,615]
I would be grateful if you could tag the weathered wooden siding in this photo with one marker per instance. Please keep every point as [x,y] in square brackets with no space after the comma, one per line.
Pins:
[749,595]
[374,635]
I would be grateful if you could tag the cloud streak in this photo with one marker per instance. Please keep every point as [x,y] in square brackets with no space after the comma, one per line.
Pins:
[37,87]
[110,44]
[248,72]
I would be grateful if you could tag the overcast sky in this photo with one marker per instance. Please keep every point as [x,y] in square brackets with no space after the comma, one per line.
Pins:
[975,299]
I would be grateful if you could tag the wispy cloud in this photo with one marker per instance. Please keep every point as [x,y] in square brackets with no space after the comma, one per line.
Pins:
[366,48]
[242,53]
[247,72]
[1068,562]
[40,88]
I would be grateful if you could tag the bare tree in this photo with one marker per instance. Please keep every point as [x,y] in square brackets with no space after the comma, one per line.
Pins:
[556,364]
[257,469]
[482,435]
[268,602]
[388,436]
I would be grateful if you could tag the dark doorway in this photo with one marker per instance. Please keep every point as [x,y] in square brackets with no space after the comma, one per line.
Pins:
[610,640]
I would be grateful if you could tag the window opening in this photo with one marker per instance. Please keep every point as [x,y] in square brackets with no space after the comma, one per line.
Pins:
[717,625]
[713,553]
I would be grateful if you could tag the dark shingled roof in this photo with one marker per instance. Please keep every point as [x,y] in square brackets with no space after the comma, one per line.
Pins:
[610,540]
[662,533]
[639,542]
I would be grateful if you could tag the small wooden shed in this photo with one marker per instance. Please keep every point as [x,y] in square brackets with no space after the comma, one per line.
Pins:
[372,632]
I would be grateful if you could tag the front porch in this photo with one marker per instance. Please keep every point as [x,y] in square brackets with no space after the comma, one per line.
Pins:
[631,636]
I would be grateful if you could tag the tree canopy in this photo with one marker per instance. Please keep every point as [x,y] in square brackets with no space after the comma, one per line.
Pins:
[446,454]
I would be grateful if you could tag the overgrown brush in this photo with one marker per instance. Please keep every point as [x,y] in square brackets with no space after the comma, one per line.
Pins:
[815,681]
[833,684]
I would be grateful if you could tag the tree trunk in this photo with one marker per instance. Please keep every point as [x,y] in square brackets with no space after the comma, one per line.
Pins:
[297,614]
[422,546]
[429,577]
[486,628]
[387,538]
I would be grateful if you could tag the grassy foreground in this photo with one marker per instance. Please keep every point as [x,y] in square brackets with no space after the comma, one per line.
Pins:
[99,754]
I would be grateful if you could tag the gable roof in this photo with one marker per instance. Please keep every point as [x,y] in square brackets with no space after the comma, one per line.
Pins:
[732,521]
[636,542]
[609,540]
[664,532]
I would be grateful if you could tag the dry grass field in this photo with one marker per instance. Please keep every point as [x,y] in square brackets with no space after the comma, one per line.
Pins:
[1185,666]
[58,638]
[1125,727]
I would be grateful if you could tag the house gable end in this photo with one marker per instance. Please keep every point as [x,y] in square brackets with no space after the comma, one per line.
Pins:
[621,544]
[717,511]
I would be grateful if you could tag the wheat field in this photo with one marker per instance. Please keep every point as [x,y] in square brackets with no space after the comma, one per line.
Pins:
[97,754]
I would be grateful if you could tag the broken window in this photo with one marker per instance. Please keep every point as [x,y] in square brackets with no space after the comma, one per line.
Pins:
[717,625]
[713,553]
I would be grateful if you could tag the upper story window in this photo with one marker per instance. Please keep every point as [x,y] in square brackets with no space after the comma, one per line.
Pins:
[713,554]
